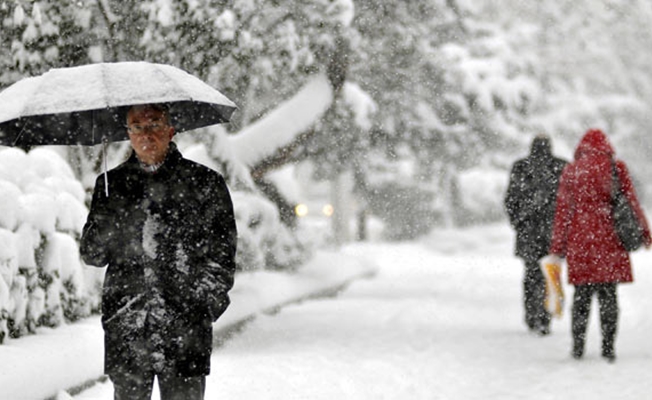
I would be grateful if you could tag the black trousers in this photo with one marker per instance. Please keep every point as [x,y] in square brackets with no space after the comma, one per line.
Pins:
[534,293]
[138,386]
[608,303]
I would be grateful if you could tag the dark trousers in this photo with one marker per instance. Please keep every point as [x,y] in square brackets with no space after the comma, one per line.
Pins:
[608,303]
[534,293]
[139,386]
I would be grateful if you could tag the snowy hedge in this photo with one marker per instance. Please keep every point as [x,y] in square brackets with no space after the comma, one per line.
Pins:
[263,240]
[43,281]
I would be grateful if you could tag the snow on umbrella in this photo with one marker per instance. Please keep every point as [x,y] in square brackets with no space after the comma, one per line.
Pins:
[87,105]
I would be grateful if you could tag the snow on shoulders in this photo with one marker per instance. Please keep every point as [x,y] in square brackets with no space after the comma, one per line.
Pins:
[199,154]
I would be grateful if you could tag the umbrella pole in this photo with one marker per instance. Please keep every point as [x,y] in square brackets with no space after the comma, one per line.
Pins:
[106,179]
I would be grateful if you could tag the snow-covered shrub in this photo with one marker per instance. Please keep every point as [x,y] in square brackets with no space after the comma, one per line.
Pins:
[8,272]
[42,279]
[263,241]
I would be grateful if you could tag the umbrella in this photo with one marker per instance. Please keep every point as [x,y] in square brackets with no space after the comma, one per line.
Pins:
[87,105]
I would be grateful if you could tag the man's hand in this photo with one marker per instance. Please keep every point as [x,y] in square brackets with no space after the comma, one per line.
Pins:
[551,259]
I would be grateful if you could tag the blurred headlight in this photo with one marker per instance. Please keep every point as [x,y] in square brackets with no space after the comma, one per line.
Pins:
[328,210]
[301,210]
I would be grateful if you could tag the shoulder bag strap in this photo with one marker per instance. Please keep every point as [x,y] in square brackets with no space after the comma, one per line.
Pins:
[615,181]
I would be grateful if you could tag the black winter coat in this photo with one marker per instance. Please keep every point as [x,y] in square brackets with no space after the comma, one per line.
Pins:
[531,199]
[168,236]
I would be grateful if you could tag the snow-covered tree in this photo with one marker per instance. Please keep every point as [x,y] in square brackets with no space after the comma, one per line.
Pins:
[458,85]
[256,52]
[467,84]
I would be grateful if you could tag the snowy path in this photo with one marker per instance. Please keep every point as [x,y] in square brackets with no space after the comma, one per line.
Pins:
[441,320]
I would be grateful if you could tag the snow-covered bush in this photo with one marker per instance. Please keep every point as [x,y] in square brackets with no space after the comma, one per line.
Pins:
[42,279]
[263,240]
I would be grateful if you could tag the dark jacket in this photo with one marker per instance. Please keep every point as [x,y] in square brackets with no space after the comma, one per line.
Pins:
[530,199]
[583,230]
[168,236]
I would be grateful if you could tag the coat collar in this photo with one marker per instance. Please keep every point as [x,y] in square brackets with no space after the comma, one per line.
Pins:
[171,160]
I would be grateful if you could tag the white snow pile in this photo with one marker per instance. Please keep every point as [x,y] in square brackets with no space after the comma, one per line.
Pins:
[42,278]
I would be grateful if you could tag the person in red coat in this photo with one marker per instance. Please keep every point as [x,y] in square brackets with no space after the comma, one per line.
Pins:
[583,233]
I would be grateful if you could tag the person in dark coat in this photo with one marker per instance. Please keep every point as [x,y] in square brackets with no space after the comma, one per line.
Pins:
[583,233]
[530,206]
[166,232]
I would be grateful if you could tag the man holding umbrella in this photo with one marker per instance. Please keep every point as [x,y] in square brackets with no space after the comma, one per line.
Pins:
[166,231]
[163,225]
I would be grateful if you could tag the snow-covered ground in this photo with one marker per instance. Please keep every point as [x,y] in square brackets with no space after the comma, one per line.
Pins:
[441,319]
[40,366]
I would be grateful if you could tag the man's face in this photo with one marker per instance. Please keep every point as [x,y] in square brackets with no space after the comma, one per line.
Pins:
[150,133]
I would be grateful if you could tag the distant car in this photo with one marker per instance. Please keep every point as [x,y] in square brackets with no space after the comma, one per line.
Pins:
[313,209]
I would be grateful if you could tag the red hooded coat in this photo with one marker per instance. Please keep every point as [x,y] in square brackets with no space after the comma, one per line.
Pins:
[583,227]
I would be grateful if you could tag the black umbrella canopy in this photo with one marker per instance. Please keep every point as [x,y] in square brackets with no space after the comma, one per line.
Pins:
[87,105]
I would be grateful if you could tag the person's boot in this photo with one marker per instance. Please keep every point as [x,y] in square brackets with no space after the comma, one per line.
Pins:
[608,352]
[542,329]
[544,324]
[578,349]
[610,356]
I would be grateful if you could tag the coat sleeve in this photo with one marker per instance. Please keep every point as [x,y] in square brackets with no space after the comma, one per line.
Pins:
[627,186]
[219,269]
[513,197]
[94,247]
[563,215]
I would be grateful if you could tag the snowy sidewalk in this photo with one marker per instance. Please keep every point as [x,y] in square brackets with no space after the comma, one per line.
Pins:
[41,366]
